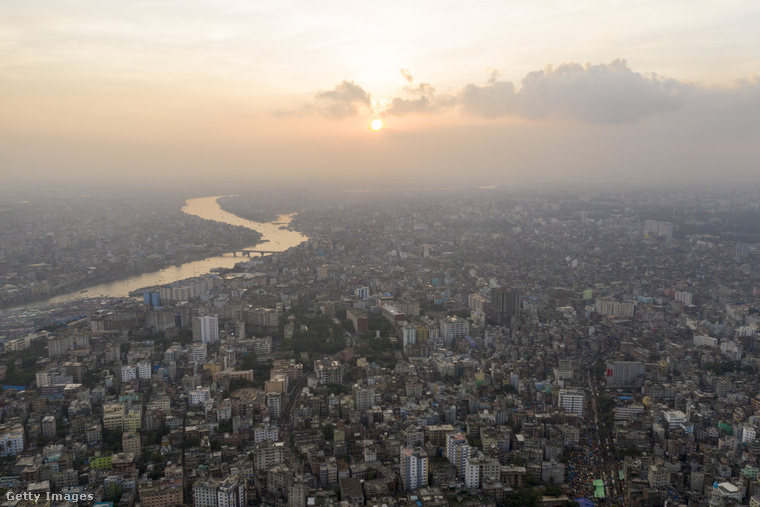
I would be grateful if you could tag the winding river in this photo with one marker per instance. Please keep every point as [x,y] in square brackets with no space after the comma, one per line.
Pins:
[277,239]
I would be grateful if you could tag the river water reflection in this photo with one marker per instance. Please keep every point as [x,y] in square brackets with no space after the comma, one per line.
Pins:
[278,239]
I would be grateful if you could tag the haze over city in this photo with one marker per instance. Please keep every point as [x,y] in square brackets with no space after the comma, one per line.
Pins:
[493,92]
[397,254]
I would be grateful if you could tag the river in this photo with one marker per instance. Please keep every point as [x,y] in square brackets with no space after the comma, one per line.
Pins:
[276,239]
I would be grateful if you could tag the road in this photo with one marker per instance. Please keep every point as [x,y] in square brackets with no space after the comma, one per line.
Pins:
[607,465]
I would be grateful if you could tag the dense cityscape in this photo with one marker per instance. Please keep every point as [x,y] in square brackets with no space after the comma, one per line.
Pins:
[488,346]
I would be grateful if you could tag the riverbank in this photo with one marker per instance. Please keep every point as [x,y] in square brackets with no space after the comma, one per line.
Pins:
[84,286]
[277,239]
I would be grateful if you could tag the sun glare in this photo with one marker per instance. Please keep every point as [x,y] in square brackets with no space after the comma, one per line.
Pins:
[376,125]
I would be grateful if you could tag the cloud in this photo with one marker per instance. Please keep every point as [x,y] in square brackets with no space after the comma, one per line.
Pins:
[425,101]
[406,74]
[494,100]
[601,94]
[345,100]
[596,94]
[611,93]
[606,94]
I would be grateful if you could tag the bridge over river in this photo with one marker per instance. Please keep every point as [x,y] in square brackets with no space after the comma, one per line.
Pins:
[248,253]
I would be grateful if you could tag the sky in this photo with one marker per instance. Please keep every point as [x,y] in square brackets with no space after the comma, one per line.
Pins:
[487,92]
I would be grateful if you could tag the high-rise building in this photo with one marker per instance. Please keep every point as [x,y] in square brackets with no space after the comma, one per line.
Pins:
[328,371]
[622,373]
[457,452]
[414,467]
[204,492]
[113,416]
[267,454]
[199,396]
[572,401]
[452,328]
[128,372]
[505,304]
[130,442]
[11,439]
[143,370]
[48,427]
[297,492]
[206,329]
[231,492]
[274,404]
[365,398]
[479,468]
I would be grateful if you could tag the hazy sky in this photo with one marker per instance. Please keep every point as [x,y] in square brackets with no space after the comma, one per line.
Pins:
[481,92]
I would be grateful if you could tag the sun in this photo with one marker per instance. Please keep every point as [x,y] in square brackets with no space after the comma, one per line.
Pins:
[376,125]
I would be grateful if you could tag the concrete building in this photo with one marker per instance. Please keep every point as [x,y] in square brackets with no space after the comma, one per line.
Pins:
[623,373]
[267,454]
[128,373]
[11,439]
[199,396]
[204,492]
[130,443]
[365,398]
[206,329]
[572,401]
[505,304]
[457,452]
[452,328]
[674,418]
[414,467]
[232,492]
[328,371]
[48,427]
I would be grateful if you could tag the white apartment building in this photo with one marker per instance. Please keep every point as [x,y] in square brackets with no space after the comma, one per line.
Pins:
[365,398]
[231,492]
[414,468]
[143,370]
[204,492]
[675,418]
[206,329]
[265,432]
[747,434]
[199,352]
[615,308]
[480,468]
[128,373]
[43,379]
[199,396]
[11,440]
[687,298]
[458,452]
[452,328]
[409,335]
[572,401]
[60,345]
[705,341]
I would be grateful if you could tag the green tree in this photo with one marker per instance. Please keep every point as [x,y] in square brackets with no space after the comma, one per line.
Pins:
[328,431]
[112,440]
[157,457]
